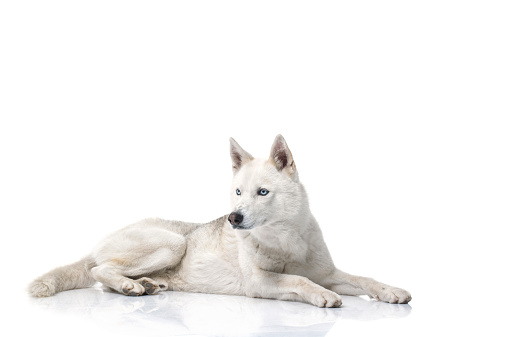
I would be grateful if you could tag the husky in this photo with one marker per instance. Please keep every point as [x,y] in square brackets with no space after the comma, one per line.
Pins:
[269,246]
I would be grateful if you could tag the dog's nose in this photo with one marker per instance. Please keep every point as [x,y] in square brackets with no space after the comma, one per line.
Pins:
[235,218]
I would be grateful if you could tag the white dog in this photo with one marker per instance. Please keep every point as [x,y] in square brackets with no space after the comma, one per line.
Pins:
[270,246]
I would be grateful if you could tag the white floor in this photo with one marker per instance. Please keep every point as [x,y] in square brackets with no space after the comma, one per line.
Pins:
[175,313]
[443,307]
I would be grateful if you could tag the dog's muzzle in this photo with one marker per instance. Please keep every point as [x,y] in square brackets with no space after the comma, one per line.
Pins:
[235,220]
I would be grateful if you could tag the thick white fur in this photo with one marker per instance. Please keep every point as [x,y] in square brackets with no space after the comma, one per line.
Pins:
[278,253]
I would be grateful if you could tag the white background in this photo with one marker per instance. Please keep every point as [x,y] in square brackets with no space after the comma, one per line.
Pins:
[398,114]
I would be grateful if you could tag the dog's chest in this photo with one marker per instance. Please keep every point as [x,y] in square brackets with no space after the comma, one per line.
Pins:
[276,258]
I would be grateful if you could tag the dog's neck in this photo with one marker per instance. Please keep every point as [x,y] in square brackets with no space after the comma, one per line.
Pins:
[281,240]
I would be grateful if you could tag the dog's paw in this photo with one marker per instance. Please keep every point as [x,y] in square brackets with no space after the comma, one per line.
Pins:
[132,288]
[392,295]
[151,287]
[326,299]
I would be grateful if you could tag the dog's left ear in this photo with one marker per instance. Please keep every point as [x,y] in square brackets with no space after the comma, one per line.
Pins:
[281,156]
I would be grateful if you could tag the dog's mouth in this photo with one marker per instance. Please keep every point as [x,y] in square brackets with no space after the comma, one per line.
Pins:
[241,227]
[250,225]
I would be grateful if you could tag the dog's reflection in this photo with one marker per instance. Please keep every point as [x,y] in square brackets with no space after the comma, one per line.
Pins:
[207,313]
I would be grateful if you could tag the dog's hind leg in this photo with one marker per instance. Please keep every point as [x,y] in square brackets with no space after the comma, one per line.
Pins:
[124,259]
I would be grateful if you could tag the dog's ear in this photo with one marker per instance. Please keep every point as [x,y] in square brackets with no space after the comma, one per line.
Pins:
[239,155]
[281,156]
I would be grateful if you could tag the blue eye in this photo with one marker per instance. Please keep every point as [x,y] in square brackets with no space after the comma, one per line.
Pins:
[263,191]
[237,191]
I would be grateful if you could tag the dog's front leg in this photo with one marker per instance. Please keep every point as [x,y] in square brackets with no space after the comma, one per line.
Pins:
[267,284]
[346,284]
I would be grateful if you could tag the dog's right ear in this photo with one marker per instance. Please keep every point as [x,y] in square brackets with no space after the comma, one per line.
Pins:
[239,155]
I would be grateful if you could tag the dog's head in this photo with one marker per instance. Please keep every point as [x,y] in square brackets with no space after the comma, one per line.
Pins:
[264,191]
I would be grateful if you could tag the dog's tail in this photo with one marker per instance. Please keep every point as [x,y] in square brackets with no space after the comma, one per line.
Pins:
[73,276]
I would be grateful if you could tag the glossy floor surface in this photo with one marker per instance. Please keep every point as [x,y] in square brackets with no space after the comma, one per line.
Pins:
[176,313]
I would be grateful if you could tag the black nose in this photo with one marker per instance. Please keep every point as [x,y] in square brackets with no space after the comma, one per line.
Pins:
[235,218]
